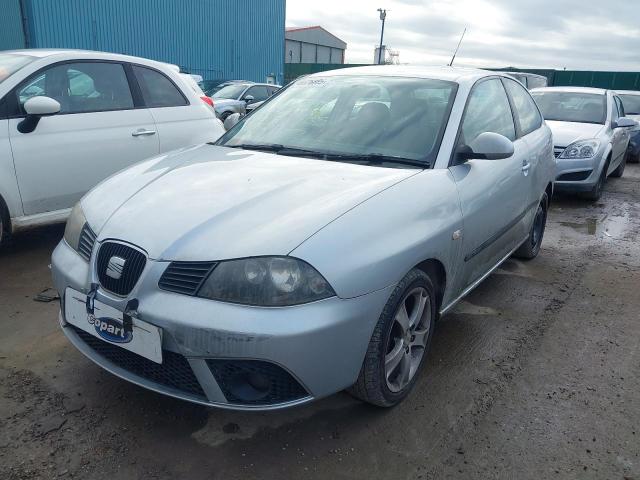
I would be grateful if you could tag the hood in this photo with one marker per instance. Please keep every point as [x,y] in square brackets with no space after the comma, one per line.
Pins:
[215,203]
[565,133]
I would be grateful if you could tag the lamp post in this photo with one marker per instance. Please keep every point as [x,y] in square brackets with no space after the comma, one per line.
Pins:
[383,16]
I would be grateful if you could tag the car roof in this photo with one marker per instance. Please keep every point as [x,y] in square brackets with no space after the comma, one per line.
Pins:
[75,54]
[596,91]
[452,74]
[627,92]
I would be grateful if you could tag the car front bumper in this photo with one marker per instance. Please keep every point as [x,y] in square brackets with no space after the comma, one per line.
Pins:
[579,175]
[313,350]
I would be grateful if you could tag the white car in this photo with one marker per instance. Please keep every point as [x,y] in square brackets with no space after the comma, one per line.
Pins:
[590,136]
[71,118]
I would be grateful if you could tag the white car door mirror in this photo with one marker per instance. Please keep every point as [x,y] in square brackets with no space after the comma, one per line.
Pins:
[231,121]
[249,98]
[625,122]
[486,146]
[36,108]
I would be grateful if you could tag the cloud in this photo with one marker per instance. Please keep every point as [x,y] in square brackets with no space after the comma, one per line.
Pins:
[572,34]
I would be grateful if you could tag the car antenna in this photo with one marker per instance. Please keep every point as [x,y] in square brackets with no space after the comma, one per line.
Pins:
[456,51]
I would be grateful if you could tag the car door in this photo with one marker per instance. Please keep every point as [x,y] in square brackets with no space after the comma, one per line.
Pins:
[529,128]
[98,131]
[493,193]
[179,122]
[621,135]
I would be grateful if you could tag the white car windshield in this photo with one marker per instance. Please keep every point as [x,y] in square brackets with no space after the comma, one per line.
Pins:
[572,106]
[231,92]
[352,115]
[631,104]
[10,64]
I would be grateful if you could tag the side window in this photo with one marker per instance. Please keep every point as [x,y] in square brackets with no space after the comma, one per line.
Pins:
[488,110]
[525,108]
[157,89]
[81,87]
[259,93]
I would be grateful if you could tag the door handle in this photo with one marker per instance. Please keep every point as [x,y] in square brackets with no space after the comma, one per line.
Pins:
[142,133]
[525,167]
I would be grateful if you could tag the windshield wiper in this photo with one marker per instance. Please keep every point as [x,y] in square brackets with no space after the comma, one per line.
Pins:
[274,148]
[375,158]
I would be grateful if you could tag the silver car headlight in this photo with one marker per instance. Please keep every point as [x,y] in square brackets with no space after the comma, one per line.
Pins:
[75,223]
[266,282]
[581,149]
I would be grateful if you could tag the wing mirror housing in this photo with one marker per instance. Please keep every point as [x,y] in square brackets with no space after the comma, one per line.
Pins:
[624,122]
[36,108]
[249,99]
[231,121]
[486,146]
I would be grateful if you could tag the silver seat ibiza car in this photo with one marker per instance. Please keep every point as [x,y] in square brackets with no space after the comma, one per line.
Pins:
[312,248]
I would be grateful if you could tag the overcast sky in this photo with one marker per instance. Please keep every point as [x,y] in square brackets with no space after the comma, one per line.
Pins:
[572,34]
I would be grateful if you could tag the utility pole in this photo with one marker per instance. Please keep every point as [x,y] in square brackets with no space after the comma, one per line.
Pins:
[383,16]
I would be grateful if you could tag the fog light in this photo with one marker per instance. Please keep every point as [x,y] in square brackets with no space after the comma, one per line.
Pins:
[249,386]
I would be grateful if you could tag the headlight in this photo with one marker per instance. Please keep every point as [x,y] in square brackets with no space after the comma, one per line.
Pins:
[266,281]
[581,149]
[74,226]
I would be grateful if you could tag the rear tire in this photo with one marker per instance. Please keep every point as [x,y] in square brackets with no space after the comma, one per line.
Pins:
[531,247]
[4,224]
[617,173]
[400,342]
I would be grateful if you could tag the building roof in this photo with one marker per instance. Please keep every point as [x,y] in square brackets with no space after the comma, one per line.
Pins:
[315,34]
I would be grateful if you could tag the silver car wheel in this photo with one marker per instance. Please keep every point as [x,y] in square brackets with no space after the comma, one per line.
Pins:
[408,339]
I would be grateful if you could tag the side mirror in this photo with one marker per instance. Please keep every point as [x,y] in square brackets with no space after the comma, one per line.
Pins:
[249,98]
[486,146]
[231,121]
[36,108]
[624,122]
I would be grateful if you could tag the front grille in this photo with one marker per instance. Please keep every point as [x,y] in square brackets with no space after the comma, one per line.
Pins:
[185,277]
[87,241]
[134,262]
[174,371]
[574,176]
[557,151]
[235,376]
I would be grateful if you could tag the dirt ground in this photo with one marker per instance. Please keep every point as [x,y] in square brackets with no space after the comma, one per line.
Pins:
[535,375]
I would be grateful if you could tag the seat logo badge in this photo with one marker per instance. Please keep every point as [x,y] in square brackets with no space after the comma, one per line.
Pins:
[115,267]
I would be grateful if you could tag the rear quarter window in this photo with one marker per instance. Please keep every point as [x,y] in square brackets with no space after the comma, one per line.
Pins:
[157,89]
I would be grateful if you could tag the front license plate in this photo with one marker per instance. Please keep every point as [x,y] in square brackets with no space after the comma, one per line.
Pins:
[106,323]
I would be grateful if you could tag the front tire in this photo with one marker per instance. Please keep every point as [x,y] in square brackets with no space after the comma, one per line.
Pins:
[531,247]
[595,194]
[400,342]
[4,224]
[617,173]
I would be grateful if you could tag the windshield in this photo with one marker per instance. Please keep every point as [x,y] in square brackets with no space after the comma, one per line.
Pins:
[572,106]
[345,115]
[230,91]
[10,64]
[631,104]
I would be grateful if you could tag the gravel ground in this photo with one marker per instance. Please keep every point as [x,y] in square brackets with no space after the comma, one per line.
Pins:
[535,375]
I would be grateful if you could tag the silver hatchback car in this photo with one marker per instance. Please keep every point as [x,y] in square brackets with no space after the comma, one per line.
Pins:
[313,247]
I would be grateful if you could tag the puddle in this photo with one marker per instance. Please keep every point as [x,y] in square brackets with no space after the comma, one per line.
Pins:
[609,226]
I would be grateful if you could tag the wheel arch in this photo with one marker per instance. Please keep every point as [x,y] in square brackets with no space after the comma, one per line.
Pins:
[437,272]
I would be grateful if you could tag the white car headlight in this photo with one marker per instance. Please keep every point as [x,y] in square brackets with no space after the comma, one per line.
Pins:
[581,149]
[266,282]
[75,223]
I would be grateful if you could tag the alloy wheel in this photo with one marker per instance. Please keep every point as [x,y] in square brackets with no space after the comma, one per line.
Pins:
[407,339]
